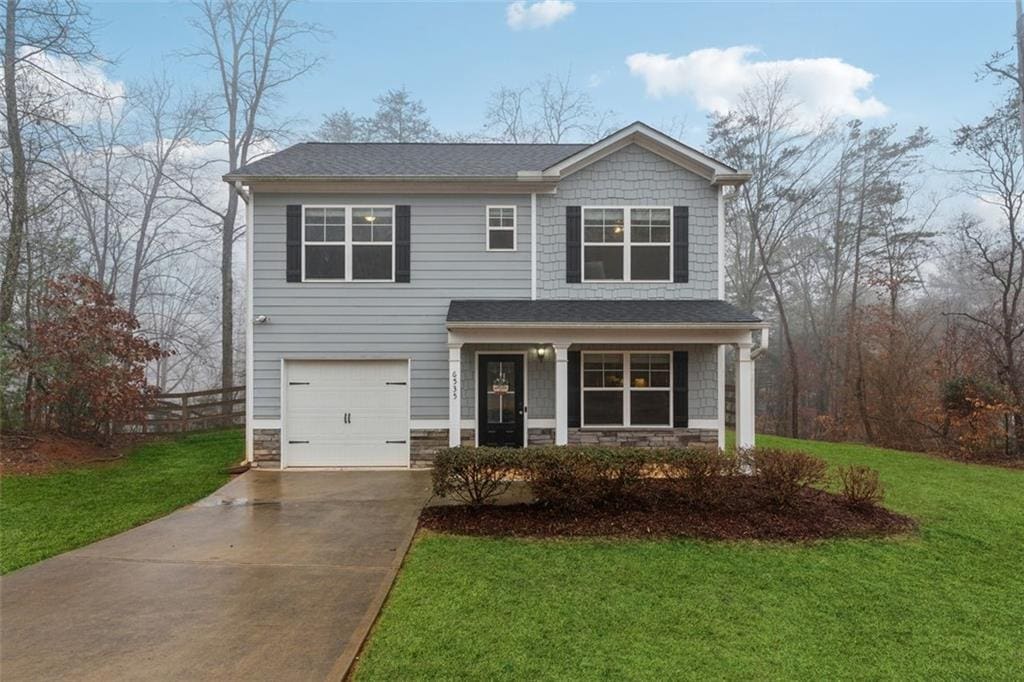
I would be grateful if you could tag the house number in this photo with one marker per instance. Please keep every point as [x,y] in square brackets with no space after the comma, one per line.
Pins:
[455,385]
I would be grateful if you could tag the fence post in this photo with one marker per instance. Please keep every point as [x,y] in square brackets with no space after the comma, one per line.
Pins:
[184,413]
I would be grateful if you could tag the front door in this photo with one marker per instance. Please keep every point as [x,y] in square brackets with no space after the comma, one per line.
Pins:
[500,409]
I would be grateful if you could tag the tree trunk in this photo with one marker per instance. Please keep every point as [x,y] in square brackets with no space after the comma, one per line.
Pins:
[19,173]
[1020,69]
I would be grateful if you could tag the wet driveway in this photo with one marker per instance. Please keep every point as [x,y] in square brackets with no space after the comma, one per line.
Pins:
[277,576]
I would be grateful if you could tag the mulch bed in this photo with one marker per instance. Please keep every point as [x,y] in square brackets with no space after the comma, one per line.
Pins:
[743,514]
[41,453]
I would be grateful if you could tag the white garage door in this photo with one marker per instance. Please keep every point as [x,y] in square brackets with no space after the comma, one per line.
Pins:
[347,413]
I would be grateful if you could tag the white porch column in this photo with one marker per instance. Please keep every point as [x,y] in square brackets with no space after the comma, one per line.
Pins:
[454,394]
[744,397]
[561,393]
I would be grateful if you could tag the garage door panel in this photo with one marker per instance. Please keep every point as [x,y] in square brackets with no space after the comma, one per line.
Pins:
[374,393]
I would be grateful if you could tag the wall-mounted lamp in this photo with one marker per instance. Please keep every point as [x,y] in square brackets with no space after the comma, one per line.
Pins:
[541,352]
[261,319]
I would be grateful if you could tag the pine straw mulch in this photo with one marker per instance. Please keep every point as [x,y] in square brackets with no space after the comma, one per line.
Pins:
[742,514]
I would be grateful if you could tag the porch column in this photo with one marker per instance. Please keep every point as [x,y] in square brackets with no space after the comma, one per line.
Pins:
[744,397]
[454,394]
[561,393]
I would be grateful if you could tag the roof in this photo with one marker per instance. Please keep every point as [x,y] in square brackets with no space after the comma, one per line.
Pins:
[471,161]
[574,312]
[401,159]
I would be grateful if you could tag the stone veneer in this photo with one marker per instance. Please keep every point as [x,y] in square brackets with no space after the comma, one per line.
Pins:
[266,448]
[644,438]
[424,443]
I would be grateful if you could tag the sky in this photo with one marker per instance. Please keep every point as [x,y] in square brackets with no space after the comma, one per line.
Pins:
[664,63]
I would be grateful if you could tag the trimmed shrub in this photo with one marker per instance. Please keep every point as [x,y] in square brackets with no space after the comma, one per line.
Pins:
[861,486]
[698,475]
[474,475]
[583,477]
[784,474]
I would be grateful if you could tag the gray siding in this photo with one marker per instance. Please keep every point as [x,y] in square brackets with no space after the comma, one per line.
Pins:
[353,319]
[450,260]
[631,176]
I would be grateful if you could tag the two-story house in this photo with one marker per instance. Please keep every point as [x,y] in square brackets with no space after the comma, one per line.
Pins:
[405,297]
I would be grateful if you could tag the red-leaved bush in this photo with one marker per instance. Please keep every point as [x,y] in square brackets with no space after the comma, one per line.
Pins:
[85,361]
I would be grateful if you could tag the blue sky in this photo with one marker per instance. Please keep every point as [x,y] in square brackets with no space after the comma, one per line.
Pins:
[451,55]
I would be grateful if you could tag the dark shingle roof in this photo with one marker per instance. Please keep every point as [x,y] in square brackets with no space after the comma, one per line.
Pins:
[597,312]
[373,159]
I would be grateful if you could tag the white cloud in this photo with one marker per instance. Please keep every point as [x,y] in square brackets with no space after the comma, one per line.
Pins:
[542,14]
[716,78]
[75,91]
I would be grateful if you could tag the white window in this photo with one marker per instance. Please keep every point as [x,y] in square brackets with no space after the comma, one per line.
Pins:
[627,244]
[501,228]
[627,389]
[348,243]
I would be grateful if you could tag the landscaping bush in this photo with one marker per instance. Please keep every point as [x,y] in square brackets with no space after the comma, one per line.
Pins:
[583,477]
[474,475]
[784,474]
[861,486]
[698,475]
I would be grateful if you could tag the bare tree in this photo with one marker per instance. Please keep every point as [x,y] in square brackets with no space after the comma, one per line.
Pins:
[765,135]
[995,252]
[506,116]
[341,126]
[400,118]
[35,32]
[255,49]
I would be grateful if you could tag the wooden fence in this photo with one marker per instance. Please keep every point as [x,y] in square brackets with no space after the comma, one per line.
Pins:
[195,411]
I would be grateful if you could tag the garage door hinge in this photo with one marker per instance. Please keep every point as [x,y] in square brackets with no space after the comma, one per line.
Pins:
[394,383]
[298,383]
[297,441]
[391,442]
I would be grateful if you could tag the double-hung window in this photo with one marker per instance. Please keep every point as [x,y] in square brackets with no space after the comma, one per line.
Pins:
[627,389]
[627,244]
[348,243]
[501,228]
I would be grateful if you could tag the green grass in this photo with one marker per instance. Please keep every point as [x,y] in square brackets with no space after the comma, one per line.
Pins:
[947,603]
[44,515]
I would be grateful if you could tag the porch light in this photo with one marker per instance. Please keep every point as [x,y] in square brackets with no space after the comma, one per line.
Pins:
[541,352]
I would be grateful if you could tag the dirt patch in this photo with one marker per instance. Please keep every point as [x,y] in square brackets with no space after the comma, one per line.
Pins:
[743,514]
[43,453]
[994,460]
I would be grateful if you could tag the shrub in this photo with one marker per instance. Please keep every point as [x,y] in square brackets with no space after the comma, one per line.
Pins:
[861,486]
[583,477]
[784,474]
[474,475]
[698,475]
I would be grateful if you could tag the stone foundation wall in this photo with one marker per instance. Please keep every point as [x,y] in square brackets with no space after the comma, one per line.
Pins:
[541,436]
[423,443]
[644,438]
[266,448]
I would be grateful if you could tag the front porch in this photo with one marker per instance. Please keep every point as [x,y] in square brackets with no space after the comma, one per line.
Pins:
[643,373]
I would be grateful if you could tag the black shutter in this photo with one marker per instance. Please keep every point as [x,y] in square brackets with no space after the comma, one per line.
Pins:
[403,243]
[293,243]
[574,388]
[573,243]
[681,243]
[680,389]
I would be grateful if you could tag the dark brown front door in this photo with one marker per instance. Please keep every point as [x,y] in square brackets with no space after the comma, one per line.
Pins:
[500,409]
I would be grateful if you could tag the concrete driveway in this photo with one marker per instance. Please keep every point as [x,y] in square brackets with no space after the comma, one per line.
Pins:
[277,576]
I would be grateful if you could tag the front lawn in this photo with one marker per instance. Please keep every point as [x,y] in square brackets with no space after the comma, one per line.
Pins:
[943,604]
[43,515]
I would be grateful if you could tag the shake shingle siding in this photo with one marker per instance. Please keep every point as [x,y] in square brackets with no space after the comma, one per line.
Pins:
[353,319]
[631,176]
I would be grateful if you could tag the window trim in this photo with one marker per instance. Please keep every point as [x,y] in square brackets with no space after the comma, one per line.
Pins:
[627,379]
[348,244]
[627,244]
[514,229]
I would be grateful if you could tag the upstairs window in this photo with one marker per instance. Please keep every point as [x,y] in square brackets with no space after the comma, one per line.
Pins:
[348,243]
[627,245]
[501,228]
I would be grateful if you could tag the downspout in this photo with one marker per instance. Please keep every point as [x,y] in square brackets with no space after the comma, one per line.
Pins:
[533,246]
[246,196]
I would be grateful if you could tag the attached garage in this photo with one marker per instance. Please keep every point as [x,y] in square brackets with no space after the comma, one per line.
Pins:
[346,413]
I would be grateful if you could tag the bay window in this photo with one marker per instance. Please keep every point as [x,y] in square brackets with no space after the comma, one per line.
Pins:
[348,243]
[627,245]
[627,389]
